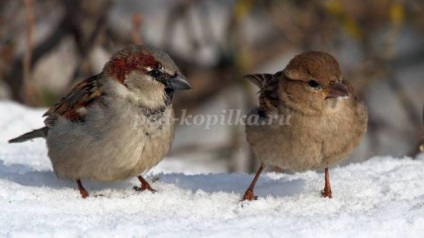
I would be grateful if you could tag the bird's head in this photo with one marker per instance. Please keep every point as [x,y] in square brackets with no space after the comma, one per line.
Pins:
[145,75]
[312,81]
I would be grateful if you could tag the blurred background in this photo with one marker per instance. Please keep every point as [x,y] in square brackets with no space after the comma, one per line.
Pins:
[46,46]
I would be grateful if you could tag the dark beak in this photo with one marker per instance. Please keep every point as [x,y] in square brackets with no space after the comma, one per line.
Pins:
[337,90]
[178,82]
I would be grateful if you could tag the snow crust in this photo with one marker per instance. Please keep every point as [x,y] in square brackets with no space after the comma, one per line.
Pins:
[382,197]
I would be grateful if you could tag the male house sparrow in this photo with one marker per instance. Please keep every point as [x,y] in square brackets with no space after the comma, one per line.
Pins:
[116,124]
[326,120]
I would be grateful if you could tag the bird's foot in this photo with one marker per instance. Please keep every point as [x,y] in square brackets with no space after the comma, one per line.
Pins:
[144,187]
[249,196]
[84,193]
[326,193]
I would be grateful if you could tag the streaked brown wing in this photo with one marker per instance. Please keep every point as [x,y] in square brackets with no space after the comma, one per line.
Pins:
[74,106]
[268,93]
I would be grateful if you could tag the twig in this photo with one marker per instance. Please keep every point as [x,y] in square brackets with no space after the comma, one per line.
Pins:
[28,51]
[137,20]
[15,78]
[177,13]
[207,29]
[404,99]
[84,46]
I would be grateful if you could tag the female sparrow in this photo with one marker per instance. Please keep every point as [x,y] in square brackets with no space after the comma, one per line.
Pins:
[116,124]
[326,120]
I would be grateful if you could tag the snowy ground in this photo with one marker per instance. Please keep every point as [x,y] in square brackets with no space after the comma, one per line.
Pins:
[383,197]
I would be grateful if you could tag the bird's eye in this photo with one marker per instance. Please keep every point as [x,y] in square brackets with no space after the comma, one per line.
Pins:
[313,83]
[155,73]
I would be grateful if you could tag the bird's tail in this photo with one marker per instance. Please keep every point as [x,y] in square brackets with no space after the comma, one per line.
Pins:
[42,132]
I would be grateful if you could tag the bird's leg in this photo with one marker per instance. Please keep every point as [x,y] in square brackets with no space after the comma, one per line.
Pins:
[82,190]
[144,185]
[327,188]
[249,195]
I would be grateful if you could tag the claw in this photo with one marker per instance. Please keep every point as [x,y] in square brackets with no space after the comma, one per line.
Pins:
[142,188]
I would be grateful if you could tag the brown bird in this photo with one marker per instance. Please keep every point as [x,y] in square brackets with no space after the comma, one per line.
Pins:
[326,119]
[117,124]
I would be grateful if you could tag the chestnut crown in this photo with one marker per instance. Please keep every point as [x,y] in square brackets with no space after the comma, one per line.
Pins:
[147,60]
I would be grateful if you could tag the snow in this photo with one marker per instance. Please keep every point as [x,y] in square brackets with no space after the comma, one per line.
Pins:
[382,197]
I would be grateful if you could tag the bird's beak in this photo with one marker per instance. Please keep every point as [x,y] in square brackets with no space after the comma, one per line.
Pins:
[178,82]
[337,90]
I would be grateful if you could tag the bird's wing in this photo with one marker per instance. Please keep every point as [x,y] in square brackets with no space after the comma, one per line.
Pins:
[268,93]
[259,79]
[74,105]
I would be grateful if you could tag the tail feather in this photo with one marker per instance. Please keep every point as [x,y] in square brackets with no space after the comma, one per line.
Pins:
[42,132]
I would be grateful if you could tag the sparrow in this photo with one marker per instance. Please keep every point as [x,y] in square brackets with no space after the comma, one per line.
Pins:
[116,124]
[327,121]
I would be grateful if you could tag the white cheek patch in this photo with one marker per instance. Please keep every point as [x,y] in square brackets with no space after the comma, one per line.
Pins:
[82,111]
[342,98]
[120,89]
[141,91]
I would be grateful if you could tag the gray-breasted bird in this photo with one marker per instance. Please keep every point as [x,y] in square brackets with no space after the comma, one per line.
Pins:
[116,124]
[326,120]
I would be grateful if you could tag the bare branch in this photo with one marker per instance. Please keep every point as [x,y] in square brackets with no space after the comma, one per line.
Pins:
[137,20]
[28,51]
